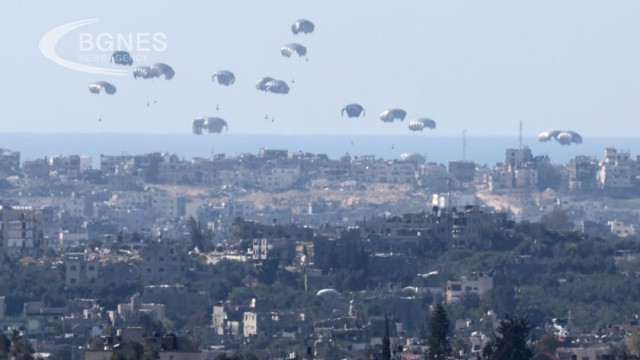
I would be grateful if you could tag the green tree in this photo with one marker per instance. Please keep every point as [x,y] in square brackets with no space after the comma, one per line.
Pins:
[20,349]
[511,342]
[200,236]
[548,342]
[557,219]
[386,343]
[438,345]
[5,346]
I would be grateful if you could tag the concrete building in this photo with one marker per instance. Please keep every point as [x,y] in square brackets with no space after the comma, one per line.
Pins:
[21,230]
[616,171]
[477,284]
[9,162]
[37,169]
[453,200]
[583,173]
[163,263]
[279,178]
[620,229]
[517,158]
[66,167]
[130,312]
[274,249]
[462,171]
[80,268]
[526,177]
[394,172]
[467,224]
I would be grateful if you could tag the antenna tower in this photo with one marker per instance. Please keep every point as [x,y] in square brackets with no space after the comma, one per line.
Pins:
[520,137]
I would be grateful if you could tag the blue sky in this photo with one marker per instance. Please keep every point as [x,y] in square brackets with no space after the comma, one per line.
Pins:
[476,65]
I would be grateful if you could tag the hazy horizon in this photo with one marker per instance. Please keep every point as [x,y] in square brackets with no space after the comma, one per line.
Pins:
[484,150]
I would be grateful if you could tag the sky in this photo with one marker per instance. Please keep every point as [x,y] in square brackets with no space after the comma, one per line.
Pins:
[482,66]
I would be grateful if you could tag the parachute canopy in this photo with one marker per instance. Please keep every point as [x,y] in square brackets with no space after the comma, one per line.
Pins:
[302,26]
[121,57]
[327,292]
[564,137]
[154,71]
[262,83]
[421,123]
[393,114]
[277,87]
[548,135]
[353,110]
[198,125]
[225,77]
[272,85]
[209,124]
[290,49]
[413,158]
[97,86]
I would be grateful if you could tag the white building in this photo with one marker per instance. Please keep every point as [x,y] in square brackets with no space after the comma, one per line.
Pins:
[620,229]
[478,284]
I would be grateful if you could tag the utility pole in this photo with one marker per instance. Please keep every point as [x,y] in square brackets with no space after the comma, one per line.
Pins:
[520,137]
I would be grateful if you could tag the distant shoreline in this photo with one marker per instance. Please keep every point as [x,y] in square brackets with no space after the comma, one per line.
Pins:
[486,150]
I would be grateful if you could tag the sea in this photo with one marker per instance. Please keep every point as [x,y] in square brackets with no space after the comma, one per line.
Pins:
[484,150]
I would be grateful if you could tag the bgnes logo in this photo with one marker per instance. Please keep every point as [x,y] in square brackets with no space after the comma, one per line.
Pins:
[99,48]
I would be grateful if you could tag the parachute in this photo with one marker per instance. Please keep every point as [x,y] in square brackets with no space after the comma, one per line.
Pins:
[563,137]
[277,87]
[328,292]
[209,124]
[198,125]
[393,114]
[121,57]
[261,84]
[154,71]
[97,86]
[548,135]
[141,71]
[353,110]
[290,49]
[421,123]
[413,158]
[272,85]
[225,77]
[302,26]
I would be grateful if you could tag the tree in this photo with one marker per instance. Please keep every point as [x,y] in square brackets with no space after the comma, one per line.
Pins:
[20,349]
[557,219]
[548,342]
[199,235]
[5,346]
[438,345]
[511,342]
[386,343]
